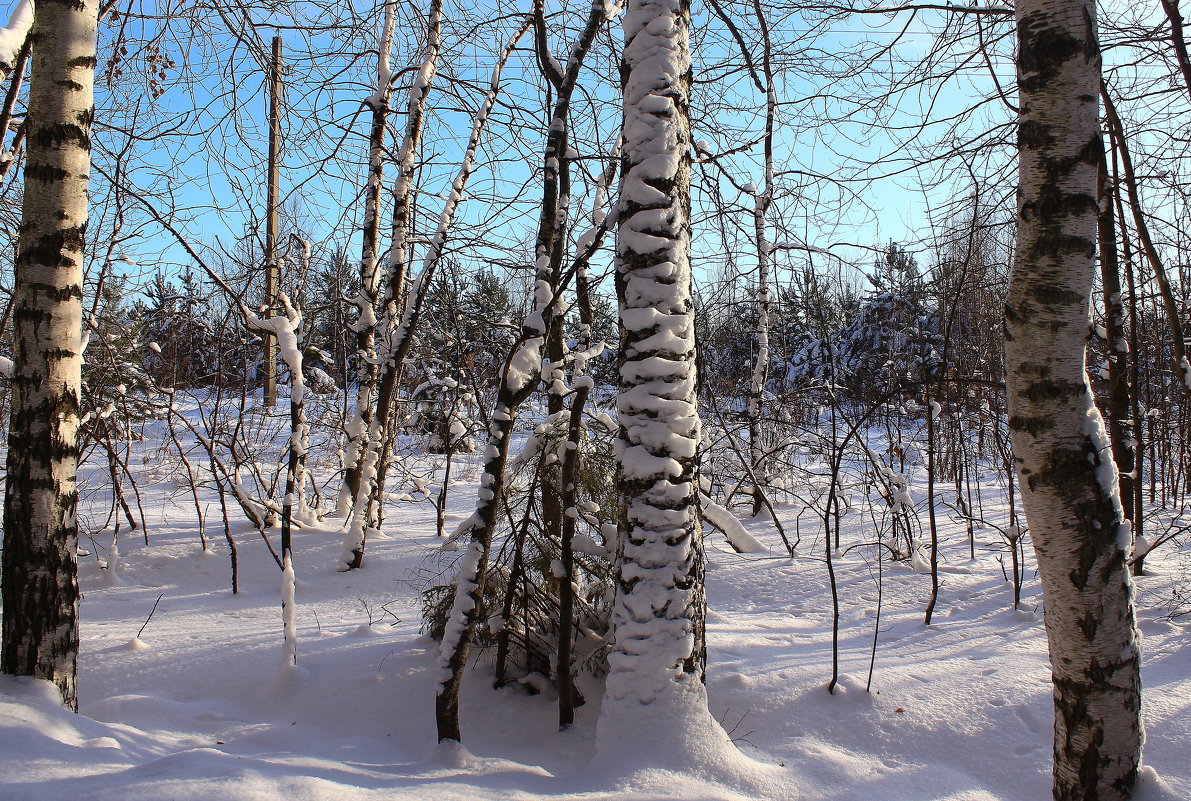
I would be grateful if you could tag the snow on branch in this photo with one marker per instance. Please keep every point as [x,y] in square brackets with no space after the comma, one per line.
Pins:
[13,35]
[738,536]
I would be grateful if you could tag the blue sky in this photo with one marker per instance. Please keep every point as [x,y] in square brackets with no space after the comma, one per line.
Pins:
[195,141]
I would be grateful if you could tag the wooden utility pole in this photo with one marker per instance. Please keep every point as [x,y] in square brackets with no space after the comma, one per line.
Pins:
[272,265]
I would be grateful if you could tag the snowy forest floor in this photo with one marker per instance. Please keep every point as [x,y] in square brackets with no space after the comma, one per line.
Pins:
[200,707]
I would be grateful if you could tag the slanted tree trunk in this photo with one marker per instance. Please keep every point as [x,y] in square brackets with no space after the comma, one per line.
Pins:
[520,374]
[657,655]
[1170,304]
[1134,364]
[40,585]
[1178,40]
[1118,401]
[1067,475]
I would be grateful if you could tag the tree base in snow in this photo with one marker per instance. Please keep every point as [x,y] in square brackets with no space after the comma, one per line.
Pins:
[676,733]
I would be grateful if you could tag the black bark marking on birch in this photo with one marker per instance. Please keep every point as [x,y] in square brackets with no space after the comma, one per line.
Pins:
[1044,50]
[60,133]
[57,294]
[55,249]
[1091,44]
[59,450]
[1054,295]
[1033,135]
[1088,625]
[1067,470]
[34,316]
[58,353]
[45,173]
[1031,425]
[1054,390]
[1052,202]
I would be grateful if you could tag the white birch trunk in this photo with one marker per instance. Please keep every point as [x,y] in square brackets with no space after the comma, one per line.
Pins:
[285,330]
[393,302]
[373,412]
[1068,478]
[654,691]
[365,300]
[365,511]
[761,204]
[40,586]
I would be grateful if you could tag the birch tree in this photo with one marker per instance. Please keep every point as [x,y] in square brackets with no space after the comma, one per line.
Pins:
[761,202]
[365,300]
[657,654]
[1068,478]
[364,487]
[40,585]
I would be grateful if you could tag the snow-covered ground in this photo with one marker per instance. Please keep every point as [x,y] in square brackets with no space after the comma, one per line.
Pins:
[202,706]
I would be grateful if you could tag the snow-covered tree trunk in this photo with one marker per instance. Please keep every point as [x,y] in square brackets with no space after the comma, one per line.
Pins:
[12,70]
[519,377]
[549,251]
[40,586]
[1067,475]
[364,488]
[366,298]
[393,304]
[285,330]
[655,674]
[582,384]
[516,383]
[403,190]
